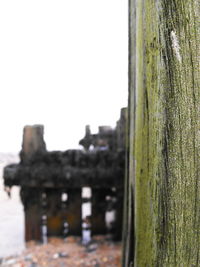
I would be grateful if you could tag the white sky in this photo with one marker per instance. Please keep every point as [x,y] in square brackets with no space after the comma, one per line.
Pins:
[63,64]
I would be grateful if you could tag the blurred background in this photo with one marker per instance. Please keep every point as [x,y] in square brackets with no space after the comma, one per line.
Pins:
[63,64]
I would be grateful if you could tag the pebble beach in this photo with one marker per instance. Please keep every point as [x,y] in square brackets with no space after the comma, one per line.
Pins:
[59,253]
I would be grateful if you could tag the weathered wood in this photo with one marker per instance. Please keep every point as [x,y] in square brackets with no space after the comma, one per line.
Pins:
[54,212]
[33,142]
[73,213]
[164,83]
[121,129]
[99,207]
[117,234]
[33,213]
[48,175]
[72,168]
[32,224]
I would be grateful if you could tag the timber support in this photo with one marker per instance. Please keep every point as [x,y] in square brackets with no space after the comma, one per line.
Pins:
[52,183]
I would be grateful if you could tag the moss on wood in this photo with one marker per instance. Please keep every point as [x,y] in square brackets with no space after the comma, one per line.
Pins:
[165,131]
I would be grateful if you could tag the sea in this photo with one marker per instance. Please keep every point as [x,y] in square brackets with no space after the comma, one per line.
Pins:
[12,215]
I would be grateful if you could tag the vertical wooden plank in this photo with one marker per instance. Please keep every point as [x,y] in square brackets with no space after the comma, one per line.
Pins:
[73,211]
[54,212]
[119,216]
[32,223]
[98,223]
[32,212]
[129,186]
[164,84]
[33,142]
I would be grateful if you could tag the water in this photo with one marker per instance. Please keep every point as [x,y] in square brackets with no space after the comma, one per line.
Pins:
[12,217]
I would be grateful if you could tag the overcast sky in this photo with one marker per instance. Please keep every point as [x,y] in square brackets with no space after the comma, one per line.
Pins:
[63,64]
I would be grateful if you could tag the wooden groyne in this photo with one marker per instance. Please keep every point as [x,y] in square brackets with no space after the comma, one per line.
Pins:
[52,183]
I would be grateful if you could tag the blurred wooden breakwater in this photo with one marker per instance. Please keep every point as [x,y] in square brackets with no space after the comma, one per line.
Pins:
[52,182]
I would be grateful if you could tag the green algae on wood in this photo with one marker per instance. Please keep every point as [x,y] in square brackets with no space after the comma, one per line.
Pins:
[164,134]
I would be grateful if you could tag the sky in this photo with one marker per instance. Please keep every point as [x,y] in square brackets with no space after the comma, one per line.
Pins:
[63,64]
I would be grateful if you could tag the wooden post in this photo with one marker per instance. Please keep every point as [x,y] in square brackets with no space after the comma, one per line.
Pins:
[33,141]
[164,97]
[54,212]
[31,199]
[98,223]
[73,211]
[33,224]
[119,216]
